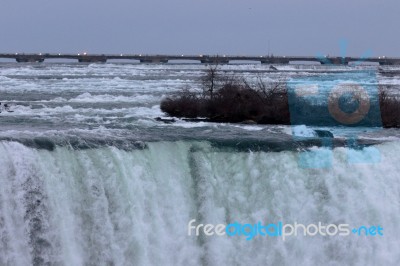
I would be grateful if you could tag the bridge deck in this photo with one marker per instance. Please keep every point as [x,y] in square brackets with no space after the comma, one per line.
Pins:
[201,58]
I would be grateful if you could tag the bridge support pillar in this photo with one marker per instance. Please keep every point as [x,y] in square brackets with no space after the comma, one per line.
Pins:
[29,59]
[215,61]
[274,61]
[335,61]
[153,61]
[389,63]
[92,59]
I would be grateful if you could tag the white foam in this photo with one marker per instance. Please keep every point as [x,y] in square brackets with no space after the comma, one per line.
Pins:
[303,131]
[133,207]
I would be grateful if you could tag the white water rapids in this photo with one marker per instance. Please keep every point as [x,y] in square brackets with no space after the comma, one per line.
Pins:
[107,206]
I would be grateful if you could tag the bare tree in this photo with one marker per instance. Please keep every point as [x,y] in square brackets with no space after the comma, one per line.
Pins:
[211,78]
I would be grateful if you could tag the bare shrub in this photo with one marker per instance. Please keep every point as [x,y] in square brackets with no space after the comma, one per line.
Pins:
[226,98]
[184,104]
[390,108]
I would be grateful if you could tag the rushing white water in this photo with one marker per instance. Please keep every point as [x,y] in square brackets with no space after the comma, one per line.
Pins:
[107,206]
[88,176]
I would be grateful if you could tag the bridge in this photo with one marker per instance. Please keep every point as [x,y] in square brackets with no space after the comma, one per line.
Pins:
[205,59]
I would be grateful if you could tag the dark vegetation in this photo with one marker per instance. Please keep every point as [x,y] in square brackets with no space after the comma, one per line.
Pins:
[390,108]
[226,98]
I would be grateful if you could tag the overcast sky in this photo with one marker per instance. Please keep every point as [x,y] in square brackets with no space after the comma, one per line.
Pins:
[292,27]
